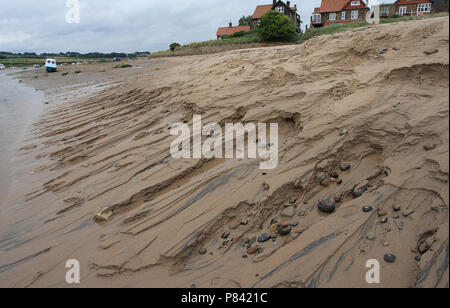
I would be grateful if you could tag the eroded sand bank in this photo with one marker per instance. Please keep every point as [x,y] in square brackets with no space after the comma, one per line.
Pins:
[336,99]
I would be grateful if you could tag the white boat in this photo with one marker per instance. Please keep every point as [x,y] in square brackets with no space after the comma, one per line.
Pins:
[50,65]
[2,67]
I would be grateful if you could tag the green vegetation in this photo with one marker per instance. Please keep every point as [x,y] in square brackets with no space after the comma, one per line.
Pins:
[276,27]
[29,59]
[344,27]
[245,21]
[406,18]
[331,29]
[174,46]
[124,65]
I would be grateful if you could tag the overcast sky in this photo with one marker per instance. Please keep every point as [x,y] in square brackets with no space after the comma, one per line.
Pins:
[121,26]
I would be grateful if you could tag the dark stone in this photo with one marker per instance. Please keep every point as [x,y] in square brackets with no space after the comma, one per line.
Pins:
[397,104]
[334,175]
[202,251]
[340,182]
[367,209]
[389,258]
[251,242]
[245,256]
[431,51]
[225,235]
[397,208]
[429,147]
[244,222]
[327,206]
[345,167]
[384,220]
[285,231]
[424,247]
[418,258]
[264,238]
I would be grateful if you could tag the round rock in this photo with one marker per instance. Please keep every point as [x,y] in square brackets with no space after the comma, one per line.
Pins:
[327,206]
[389,258]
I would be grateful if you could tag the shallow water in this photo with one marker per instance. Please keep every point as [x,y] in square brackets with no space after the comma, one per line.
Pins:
[19,106]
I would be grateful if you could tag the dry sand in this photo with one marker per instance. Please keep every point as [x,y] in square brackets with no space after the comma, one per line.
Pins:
[103,142]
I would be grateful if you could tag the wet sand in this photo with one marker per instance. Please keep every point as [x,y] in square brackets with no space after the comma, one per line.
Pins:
[19,107]
[104,144]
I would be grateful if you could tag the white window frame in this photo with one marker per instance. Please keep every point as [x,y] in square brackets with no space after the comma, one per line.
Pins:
[384,11]
[280,9]
[332,16]
[424,7]
[343,15]
[354,15]
[317,18]
[355,3]
[402,11]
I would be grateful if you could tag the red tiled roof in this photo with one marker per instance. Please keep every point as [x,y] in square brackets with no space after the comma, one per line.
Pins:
[231,30]
[405,2]
[338,5]
[350,7]
[317,10]
[261,10]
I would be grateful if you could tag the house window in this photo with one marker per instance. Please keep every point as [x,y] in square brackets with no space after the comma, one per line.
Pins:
[332,16]
[384,11]
[355,3]
[355,15]
[402,11]
[424,7]
[343,15]
[279,9]
[316,19]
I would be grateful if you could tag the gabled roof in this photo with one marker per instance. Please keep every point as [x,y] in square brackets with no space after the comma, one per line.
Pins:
[263,9]
[405,2]
[231,30]
[317,10]
[328,6]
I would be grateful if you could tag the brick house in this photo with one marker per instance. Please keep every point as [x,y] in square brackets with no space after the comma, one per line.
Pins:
[279,6]
[333,12]
[221,32]
[405,8]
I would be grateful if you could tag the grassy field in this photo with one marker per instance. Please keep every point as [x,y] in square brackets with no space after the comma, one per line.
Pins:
[212,46]
[344,27]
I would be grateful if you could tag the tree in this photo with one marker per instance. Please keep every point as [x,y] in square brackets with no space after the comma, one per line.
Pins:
[276,27]
[245,21]
[174,46]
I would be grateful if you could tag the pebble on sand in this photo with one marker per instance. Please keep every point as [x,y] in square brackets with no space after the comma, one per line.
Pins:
[389,258]
[327,206]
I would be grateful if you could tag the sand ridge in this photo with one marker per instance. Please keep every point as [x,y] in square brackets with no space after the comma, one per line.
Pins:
[178,223]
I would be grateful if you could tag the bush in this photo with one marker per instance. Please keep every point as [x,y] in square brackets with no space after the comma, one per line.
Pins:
[240,34]
[276,27]
[174,46]
[123,66]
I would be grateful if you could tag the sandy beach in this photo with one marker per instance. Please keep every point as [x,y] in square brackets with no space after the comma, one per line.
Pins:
[364,130]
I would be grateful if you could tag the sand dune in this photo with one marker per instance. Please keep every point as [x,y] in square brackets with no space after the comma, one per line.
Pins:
[178,223]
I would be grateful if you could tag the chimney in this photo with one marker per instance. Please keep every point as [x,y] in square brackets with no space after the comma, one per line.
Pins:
[288,4]
[274,2]
[230,24]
